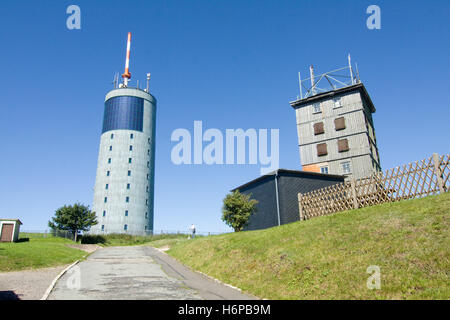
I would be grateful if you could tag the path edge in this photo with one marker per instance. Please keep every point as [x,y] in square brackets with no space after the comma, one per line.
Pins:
[208,276]
[52,285]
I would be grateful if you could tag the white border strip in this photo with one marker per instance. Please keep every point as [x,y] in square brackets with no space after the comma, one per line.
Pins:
[50,288]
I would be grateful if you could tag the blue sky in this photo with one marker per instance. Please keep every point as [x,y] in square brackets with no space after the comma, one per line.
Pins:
[231,64]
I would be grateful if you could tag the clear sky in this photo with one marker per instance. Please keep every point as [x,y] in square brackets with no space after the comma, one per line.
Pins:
[230,64]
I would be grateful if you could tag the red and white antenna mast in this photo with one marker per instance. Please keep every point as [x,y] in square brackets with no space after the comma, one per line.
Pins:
[127,75]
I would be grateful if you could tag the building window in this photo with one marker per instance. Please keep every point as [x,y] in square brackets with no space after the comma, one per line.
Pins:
[146,201]
[146,215]
[104,213]
[110,148]
[316,108]
[129,172]
[147,176]
[129,160]
[107,173]
[126,213]
[148,140]
[112,136]
[147,189]
[324,170]
[148,164]
[339,123]
[337,102]
[346,167]
[131,136]
[127,199]
[125,227]
[131,148]
[343,145]
[322,149]
[318,128]
[103,227]
[105,200]
[128,186]
[148,152]
[106,186]
[109,160]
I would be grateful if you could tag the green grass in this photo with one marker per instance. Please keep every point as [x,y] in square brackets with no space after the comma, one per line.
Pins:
[38,252]
[327,257]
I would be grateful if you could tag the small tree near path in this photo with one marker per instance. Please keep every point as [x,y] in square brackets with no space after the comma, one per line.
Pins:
[73,218]
[237,209]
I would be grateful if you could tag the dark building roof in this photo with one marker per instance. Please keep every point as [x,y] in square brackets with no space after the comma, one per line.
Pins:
[329,94]
[290,172]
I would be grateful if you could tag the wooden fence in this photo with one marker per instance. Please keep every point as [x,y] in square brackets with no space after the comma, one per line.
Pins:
[417,179]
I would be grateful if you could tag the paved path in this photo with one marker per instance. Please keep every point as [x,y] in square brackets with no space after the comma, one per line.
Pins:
[138,272]
[27,284]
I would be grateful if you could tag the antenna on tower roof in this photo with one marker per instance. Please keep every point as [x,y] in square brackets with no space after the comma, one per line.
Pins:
[148,80]
[127,75]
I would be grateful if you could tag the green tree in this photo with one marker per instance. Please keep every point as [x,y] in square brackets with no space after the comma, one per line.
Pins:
[73,218]
[237,209]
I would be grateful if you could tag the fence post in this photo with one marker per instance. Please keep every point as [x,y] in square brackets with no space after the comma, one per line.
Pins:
[438,172]
[300,207]
[354,195]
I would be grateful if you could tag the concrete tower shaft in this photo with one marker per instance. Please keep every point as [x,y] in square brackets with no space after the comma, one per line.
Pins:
[124,185]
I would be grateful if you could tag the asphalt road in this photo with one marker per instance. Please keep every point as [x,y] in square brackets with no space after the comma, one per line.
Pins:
[138,273]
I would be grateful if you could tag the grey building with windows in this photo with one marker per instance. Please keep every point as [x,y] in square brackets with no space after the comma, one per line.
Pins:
[124,184]
[336,133]
[277,195]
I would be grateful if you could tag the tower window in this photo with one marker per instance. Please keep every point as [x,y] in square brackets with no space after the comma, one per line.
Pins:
[110,148]
[131,136]
[109,160]
[339,123]
[125,227]
[106,186]
[149,140]
[105,200]
[129,160]
[316,108]
[146,215]
[107,173]
[128,186]
[112,136]
[131,148]
[147,189]
[346,167]
[148,164]
[103,227]
[343,145]
[337,102]
[146,201]
[147,176]
[129,172]
[318,128]
[148,152]
[126,213]
[322,149]
[127,199]
[104,213]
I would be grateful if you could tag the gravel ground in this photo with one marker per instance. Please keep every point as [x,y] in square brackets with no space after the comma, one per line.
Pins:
[28,284]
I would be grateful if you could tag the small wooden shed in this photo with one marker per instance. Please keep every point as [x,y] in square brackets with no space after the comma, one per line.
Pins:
[9,230]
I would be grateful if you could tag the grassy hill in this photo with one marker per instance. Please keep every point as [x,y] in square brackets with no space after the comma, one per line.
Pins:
[327,257]
[38,252]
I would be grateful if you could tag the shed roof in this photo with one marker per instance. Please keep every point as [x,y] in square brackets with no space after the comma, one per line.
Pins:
[293,172]
[20,222]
